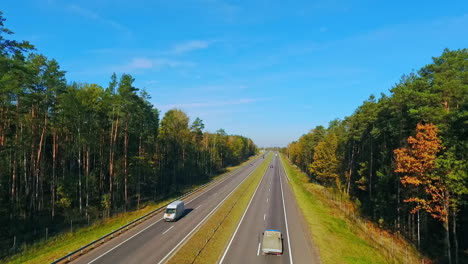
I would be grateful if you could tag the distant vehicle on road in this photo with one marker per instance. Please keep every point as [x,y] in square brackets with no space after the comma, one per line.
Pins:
[271,166]
[272,242]
[174,211]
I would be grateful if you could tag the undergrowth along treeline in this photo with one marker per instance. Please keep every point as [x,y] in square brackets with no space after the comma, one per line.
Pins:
[72,153]
[403,157]
[46,251]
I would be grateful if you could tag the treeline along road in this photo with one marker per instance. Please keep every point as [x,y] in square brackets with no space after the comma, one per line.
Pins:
[71,152]
[403,157]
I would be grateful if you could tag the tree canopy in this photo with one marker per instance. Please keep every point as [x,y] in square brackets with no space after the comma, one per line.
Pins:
[75,152]
[404,152]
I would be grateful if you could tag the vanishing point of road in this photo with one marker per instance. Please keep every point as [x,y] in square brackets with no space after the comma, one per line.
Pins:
[273,206]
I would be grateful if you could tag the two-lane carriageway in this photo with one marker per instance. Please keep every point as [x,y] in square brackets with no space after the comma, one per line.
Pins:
[273,206]
[154,240]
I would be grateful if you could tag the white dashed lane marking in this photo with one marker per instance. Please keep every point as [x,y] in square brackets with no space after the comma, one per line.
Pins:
[167,230]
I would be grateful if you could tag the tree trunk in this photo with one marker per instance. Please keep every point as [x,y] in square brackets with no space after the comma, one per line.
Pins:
[79,172]
[25,174]
[446,227]
[87,169]
[398,223]
[32,163]
[113,140]
[350,171]
[14,174]
[126,164]
[447,241]
[409,232]
[54,171]
[419,233]
[140,154]
[111,163]
[101,166]
[454,232]
[38,162]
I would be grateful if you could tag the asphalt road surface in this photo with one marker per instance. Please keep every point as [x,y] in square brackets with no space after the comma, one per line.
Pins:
[273,206]
[154,240]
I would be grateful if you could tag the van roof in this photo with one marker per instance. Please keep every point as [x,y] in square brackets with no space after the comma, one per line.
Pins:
[272,241]
[174,204]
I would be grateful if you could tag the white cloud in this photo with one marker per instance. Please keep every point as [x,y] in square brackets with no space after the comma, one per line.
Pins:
[189,46]
[162,63]
[95,16]
[147,64]
[141,63]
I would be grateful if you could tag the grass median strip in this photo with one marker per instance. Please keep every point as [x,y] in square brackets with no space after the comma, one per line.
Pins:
[208,243]
[338,239]
[60,245]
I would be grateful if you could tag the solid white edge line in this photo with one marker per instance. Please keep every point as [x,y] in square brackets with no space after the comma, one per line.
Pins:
[286,220]
[240,222]
[121,243]
[284,169]
[205,191]
[167,230]
[258,250]
[203,220]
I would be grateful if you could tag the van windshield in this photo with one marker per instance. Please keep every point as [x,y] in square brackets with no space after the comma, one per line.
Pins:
[170,211]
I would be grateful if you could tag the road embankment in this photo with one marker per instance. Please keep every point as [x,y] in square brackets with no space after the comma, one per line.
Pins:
[57,246]
[341,236]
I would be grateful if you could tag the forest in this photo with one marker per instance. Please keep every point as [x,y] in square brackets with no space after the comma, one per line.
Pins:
[402,157]
[71,153]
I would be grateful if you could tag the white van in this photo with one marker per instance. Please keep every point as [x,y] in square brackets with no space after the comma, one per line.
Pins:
[272,243]
[174,210]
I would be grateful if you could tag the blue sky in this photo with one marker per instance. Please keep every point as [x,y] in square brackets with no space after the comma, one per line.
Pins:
[269,70]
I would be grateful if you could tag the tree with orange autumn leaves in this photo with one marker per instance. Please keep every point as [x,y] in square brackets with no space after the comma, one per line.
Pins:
[435,94]
[417,163]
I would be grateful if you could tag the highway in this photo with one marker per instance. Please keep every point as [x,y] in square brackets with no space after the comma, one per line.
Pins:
[273,206]
[154,240]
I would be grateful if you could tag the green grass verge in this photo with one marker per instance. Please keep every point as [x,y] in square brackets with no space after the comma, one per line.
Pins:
[338,239]
[208,243]
[60,245]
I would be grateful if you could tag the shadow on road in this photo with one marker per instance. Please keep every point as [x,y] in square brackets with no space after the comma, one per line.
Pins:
[186,212]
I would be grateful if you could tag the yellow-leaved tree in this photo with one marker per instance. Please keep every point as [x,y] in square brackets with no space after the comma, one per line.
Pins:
[325,163]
